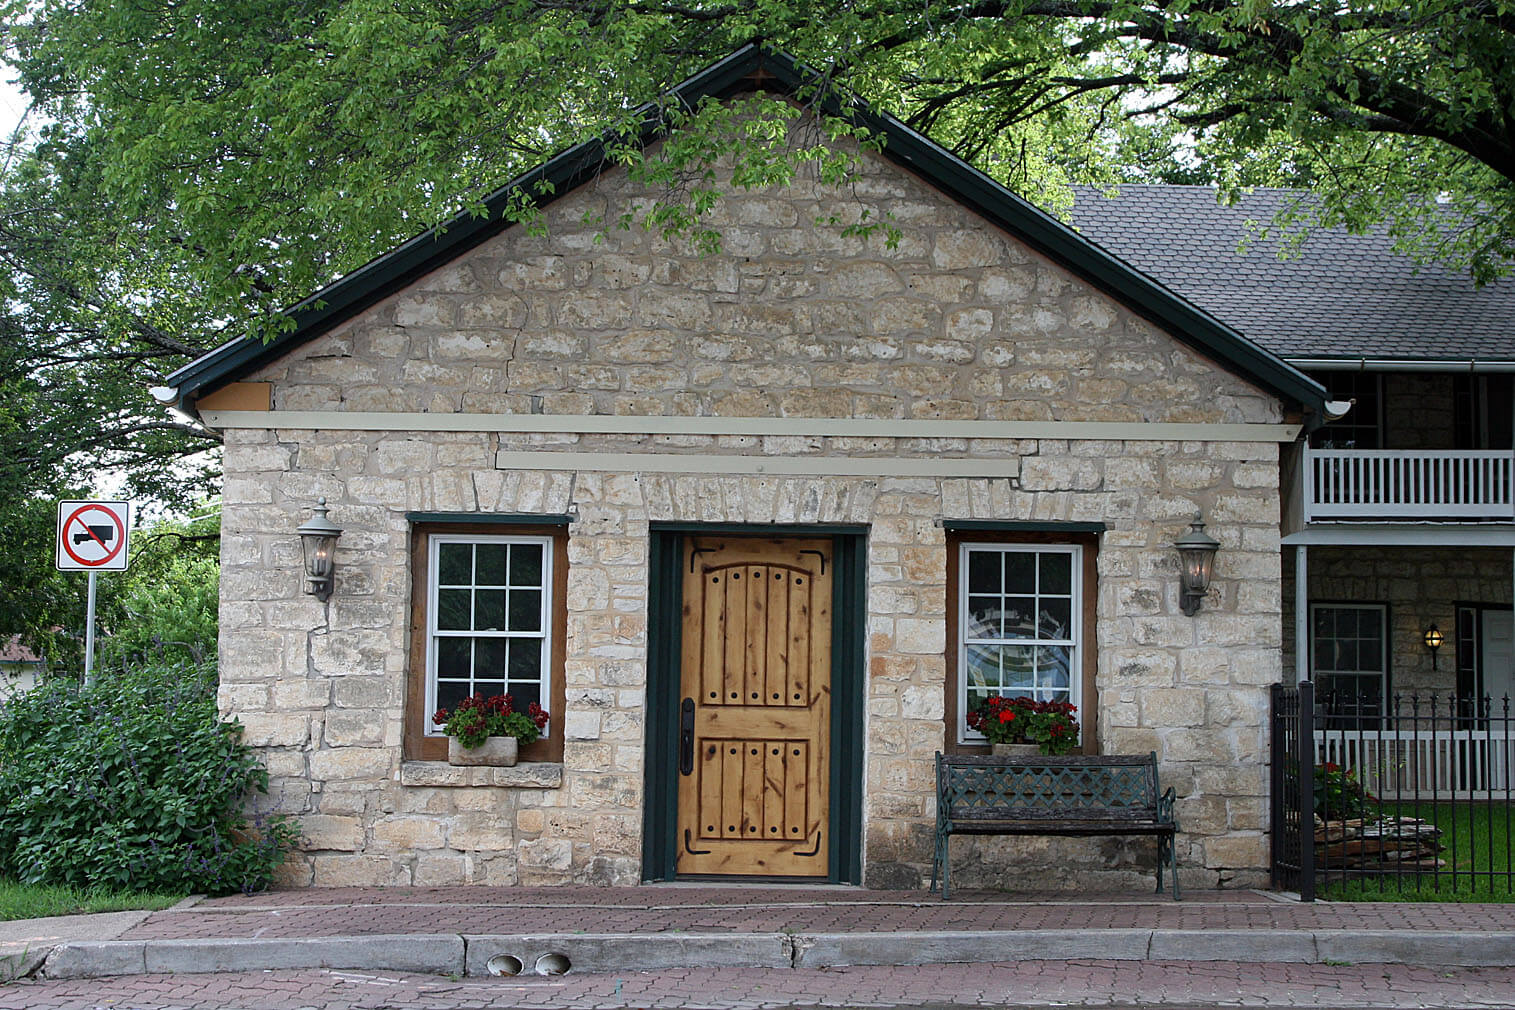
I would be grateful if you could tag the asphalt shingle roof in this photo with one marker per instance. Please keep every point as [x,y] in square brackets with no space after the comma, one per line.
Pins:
[1337,295]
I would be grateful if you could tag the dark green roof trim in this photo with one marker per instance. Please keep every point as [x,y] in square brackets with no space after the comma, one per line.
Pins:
[492,518]
[395,270]
[1019,526]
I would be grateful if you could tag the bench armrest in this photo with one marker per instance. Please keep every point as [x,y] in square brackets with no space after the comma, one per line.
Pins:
[1165,806]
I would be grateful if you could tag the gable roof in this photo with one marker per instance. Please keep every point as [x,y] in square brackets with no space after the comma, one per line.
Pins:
[1338,296]
[747,69]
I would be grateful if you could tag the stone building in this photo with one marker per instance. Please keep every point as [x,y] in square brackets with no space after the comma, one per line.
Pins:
[817,492]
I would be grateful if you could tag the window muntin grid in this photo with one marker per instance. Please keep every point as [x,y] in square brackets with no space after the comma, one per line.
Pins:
[488,620]
[1349,652]
[1020,609]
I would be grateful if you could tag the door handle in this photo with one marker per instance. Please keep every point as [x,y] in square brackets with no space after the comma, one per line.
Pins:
[686,737]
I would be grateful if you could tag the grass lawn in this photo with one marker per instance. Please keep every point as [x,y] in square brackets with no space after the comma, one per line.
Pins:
[31,901]
[1476,836]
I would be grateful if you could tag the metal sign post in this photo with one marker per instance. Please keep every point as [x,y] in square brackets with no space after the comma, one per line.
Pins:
[89,634]
[92,538]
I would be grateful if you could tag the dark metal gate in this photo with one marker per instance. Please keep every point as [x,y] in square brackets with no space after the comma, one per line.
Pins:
[1292,768]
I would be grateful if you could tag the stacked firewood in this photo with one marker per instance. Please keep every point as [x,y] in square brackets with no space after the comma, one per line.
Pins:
[1387,844]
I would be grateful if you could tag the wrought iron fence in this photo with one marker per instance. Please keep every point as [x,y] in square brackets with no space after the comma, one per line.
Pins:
[1402,793]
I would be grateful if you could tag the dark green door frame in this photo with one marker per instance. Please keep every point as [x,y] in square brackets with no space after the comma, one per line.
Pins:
[664,630]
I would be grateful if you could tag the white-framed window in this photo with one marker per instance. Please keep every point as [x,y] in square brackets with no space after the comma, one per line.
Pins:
[1349,656]
[489,620]
[1019,625]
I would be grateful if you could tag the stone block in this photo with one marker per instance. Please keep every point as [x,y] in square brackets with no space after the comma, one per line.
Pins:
[964,249]
[301,693]
[440,869]
[581,726]
[925,702]
[351,763]
[270,729]
[914,635]
[357,871]
[324,831]
[1242,851]
[1169,707]
[355,728]
[407,834]
[553,854]
[481,831]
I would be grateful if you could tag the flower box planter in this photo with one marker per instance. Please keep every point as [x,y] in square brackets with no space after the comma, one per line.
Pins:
[1015,749]
[496,751]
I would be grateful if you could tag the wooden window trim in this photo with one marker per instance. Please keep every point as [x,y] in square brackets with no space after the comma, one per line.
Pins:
[1088,709]
[417,745]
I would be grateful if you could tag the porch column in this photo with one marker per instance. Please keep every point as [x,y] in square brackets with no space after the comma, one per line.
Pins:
[1301,614]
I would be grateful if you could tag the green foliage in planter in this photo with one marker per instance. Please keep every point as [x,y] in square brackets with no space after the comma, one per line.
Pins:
[478,718]
[134,784]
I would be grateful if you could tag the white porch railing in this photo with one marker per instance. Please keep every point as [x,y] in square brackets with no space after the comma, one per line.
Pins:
[1425,763]
[1402,484]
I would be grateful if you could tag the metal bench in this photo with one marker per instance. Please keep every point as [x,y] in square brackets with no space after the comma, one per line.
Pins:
[1074,794]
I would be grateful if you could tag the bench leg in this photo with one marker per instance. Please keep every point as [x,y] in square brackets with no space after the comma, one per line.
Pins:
[944,843]
[1167,852]
[936,861]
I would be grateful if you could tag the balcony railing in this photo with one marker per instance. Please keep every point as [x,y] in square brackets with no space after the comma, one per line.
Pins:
[1400,484]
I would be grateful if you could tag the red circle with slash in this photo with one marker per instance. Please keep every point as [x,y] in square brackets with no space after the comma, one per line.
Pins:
[110,552]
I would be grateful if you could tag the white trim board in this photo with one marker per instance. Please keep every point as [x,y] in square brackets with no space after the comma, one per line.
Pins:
[610,424]
[1402,535]
[784,466]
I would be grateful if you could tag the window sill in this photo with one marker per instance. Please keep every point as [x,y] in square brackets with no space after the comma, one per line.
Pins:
[441,775]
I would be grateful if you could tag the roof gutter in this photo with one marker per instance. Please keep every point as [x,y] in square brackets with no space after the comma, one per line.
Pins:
[1400,365]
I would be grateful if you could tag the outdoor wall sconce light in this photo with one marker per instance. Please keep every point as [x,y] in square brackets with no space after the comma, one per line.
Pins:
[318,539]
[1196,562]
[1433,641]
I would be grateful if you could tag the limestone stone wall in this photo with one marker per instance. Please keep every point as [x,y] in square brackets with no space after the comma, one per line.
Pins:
[790,319]
[1421,586]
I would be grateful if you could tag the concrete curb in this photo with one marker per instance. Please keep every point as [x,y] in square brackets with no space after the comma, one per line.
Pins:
[21,963]
[423,954]
[452,954]
[827,950]
[26,943]
[632,951]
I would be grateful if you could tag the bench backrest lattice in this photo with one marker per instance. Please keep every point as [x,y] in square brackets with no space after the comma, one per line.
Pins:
[1080,787]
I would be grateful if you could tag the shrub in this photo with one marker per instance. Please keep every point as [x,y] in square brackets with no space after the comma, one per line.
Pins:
[132,783]
[1338,794]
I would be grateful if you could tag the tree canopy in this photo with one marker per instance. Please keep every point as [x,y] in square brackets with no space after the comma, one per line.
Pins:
[199,165]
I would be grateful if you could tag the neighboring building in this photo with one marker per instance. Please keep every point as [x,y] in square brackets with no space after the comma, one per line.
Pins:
[817,492]
[20,668]
[1399,517]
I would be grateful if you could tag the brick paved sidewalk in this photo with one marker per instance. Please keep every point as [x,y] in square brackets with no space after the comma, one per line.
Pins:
[663,909]
[1026,984]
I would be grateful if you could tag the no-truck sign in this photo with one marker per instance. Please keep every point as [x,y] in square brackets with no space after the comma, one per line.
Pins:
[92,536]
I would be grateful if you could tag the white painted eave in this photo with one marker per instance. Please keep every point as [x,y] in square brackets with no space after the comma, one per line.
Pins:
[1403,535]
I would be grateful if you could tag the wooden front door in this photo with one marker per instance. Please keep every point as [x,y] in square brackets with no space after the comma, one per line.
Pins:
[755,707]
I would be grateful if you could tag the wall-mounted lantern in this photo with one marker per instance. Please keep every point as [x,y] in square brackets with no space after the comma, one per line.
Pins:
[1433,641]
[1196,563]
[318,539]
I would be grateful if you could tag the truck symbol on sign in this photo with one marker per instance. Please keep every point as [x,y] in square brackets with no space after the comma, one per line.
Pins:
[104,533]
